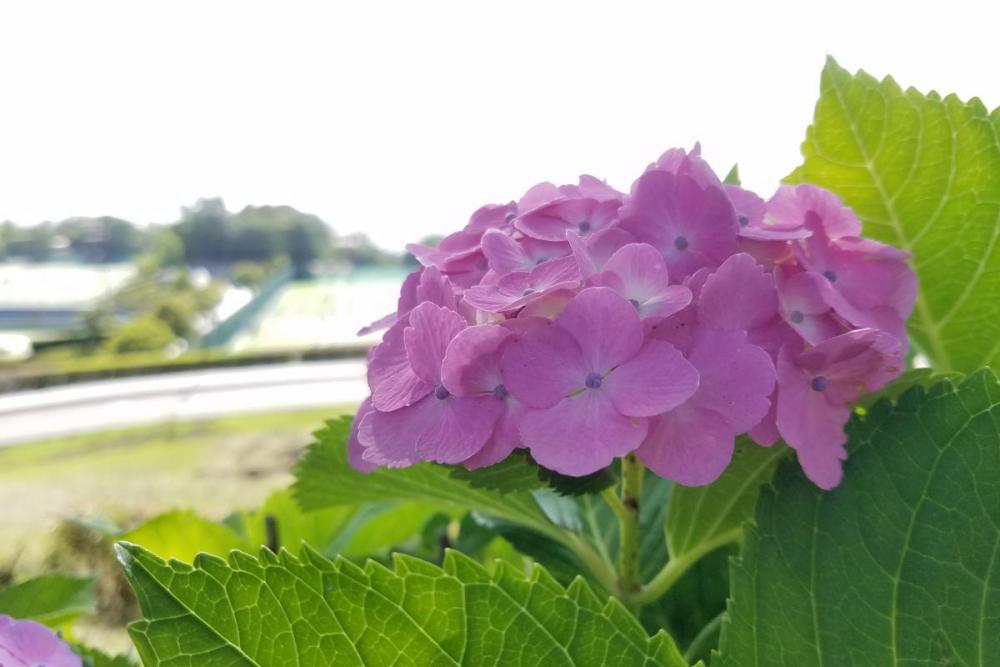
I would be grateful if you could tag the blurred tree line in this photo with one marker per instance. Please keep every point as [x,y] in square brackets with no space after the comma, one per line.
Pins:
[206,234]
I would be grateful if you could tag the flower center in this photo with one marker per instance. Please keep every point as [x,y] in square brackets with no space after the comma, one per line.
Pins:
[635,303]
[584,226]
[440,393]
[593,381]
[796,316]
[830,275]
[820,383]
[500,391]
[744,220]
[510,216]
[680,243]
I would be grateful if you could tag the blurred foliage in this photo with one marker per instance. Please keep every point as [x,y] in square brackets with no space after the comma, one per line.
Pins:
[143,334]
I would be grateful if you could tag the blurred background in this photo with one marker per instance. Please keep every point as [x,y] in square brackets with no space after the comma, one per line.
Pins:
[201,202]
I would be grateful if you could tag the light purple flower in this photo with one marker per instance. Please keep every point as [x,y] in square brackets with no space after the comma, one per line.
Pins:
[433,425]
[797,206]
[590,383]
[751,213]
[30,644]
[805,305]
[693,443]
[692,226]
[547,211]
[471,368]
[679,162]
[638,273]
[817,388]
[506,254]
[516,290]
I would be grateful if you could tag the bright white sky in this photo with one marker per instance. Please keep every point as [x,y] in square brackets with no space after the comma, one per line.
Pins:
[400,118]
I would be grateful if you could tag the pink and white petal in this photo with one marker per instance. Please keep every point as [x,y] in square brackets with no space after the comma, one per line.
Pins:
[554,272]
[504,254]
[472,361]
[543,366]
[689,445]
[581,435]
[640,270]
[499,296]
[654,381]
[436,288]
[462,428]
[605,326]
[544,225]
[811,425]
[738,295]
[426,339]
[736,378]
[672,300]
[548,305]
[355,450]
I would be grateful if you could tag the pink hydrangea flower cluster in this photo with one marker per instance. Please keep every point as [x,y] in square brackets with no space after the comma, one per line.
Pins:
[583,324]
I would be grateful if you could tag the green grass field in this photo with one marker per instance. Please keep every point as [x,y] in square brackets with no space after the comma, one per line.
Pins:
[215,466]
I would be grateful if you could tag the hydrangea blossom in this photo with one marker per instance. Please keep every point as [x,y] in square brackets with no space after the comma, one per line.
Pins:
[31,644]
[583,324]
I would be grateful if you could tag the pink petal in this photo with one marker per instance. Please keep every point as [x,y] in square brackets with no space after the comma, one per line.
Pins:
[543,366]
[426,339]
[738,295]
[462,429]
[657,379]
[355,450]
[472,361]
[581,435]
[797,205]
[504,254]
[605,326]
[736,378]
[811,425]
[765,433]
[393,383]
[689,445]
[506,438]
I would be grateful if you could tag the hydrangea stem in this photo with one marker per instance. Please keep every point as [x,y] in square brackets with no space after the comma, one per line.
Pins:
[628,521]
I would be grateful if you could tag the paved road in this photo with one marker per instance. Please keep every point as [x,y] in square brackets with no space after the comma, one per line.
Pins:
[94,406]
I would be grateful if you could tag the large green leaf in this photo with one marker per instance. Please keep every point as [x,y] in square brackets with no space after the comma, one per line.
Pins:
[325,479]
[182,534]
[52,599]
[923,173]
[899,565]
[282,610]
[701,519]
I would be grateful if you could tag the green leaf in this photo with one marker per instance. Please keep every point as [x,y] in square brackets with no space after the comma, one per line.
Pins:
[914,377]
[292,525]
[733,177]
[53,599]
[517,472]
[898,565]
[325,479]
[923,173]
[182,534]
[282,610]
[579,486]
[701,519]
